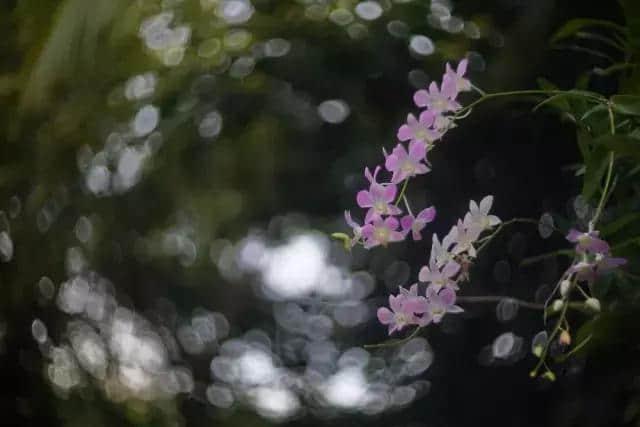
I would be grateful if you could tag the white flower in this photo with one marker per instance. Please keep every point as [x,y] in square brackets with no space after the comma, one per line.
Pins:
[479,215]
[440,254]
[465,237]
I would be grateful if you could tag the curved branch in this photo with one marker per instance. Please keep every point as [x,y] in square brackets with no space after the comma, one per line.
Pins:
[497,298]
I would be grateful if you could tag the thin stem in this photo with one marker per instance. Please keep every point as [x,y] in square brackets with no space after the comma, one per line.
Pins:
[477,89]
[626,243]
[406,204]
[553,254]
[612,120]
[493,299]
[584,294]
[579,346]
[528,92]
[556,329]
[404,188]
[596,217]
[391,343]
[486,240]
[604,196]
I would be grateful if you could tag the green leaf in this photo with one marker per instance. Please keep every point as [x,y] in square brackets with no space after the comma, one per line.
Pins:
[555,100]
[558,101]
[584,143]
[626,104]
[598,108]
[618,224]
[622,145]
[596,166]
[546,84]
[632,17]
[571,27]
[588,93]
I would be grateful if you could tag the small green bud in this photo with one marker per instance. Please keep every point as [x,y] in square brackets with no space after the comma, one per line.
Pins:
[593,304]
[537,350]
[565,338]
[565,286]
[549,376]
[557,305]
[345,239]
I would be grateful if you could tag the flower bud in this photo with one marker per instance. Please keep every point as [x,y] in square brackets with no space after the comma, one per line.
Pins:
[549,376]
[593,304]
[537,350]
[557,305]
[565,338]
[565,286]
[345,239]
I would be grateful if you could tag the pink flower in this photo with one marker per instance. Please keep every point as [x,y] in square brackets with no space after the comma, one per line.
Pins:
[411,292]
[400,315]
[584,271]
[438,100]
[587,242]
[379,199]
[418,223]
[601,264]
[419,130]
[405,164]
[461,83]
[381,232]
[605,263]
[440,303]
[440,277]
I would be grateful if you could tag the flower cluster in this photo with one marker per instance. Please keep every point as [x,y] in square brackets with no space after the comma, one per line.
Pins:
[384,221]
[448,267]
[594,256]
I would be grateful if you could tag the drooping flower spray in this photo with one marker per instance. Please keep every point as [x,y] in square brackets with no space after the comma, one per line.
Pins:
[388,218]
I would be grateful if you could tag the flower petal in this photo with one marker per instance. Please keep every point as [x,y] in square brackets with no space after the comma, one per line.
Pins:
[427,215]
[391,223]
[462,67]
[367,231]
[455,309]
[350,222]
[417,151]
[448,296]
[427,118]
[451,269]
[433,90]
[485,204]
[425,274]
[574,235]
[421,98]
[392,163]
[473,207]
[395,302]
[406,222]
[404,133]
[364,199]
[385,316]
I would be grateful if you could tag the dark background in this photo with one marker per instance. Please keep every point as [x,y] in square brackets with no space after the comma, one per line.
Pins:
[280,167]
